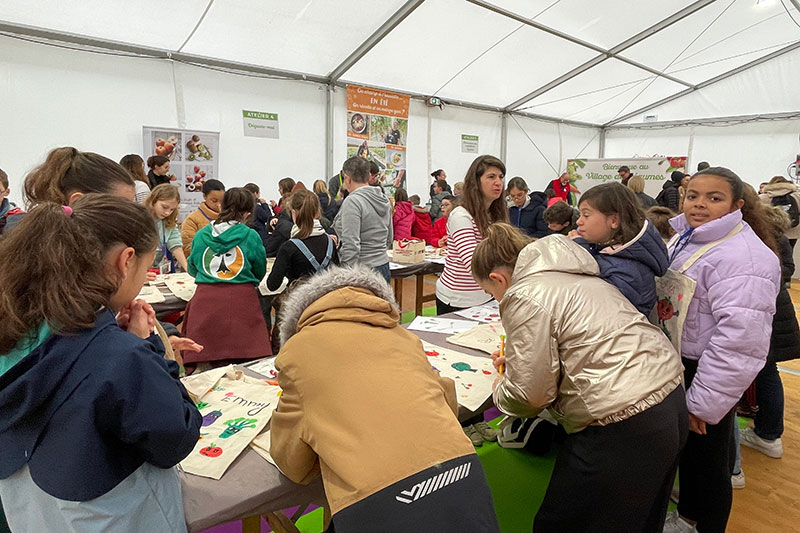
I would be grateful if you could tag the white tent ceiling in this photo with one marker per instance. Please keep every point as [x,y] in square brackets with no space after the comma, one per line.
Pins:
[599,63]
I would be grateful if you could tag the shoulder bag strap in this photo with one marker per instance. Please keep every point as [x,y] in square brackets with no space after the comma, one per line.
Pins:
[699,253]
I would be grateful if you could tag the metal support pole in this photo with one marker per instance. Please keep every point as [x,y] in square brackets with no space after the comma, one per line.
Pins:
[504,138]
[329,119]
[602,149]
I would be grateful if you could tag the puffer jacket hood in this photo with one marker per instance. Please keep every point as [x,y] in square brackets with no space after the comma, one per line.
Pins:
[774,190]
[557,253]
[560,356]
[669,184]
[633,266]
[356,293]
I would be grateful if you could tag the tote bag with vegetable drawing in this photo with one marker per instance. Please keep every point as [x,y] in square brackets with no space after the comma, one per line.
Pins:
[675,291]
[235,409]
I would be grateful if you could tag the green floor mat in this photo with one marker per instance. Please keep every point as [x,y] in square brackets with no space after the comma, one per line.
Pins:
[518,481]
[311,522]
[408,316]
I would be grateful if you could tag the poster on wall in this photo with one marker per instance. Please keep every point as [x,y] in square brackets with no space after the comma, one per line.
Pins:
[193,158]
[587,173]
[377,130]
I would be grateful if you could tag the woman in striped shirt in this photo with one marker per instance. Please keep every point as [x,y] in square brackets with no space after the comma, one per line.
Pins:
[482,204]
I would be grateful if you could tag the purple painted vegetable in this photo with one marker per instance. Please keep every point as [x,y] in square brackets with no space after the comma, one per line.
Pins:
[211,417]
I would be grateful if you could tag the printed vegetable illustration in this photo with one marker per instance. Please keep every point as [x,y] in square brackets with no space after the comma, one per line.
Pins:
[665,309]
[211,417]
[236,425]
[431,354]
[211,451]
[201,405]
[463,367]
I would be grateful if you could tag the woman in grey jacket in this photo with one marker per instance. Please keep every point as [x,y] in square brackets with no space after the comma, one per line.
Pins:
[578,348]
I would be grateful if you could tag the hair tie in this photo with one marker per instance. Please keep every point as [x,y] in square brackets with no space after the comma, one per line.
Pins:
[67,210]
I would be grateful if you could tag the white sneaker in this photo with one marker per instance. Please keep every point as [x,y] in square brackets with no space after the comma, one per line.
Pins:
[737,480]
[770,448]
[676,524]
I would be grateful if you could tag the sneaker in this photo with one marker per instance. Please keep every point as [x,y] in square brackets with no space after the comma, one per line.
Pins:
[675,493]
[770,448]
[737,480]
[473,435]
[486,433]
[676,524]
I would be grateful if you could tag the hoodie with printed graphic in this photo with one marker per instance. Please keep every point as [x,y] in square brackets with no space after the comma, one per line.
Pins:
[227,252]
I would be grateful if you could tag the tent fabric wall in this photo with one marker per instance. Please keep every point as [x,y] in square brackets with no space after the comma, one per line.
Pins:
[557,142]
[99,103]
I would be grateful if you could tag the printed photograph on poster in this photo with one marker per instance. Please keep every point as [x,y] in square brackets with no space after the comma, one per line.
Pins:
[395,158]
[357,125]
[389,130]
[199,148]
[196,175]
[166,143]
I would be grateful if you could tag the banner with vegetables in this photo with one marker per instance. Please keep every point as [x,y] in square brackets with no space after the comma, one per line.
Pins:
[193,156]
[377,130]
[586,173]
[235,409]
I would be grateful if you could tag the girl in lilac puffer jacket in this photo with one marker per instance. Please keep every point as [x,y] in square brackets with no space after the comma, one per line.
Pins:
[726,333]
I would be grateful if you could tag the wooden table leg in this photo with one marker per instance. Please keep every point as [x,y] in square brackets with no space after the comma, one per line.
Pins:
[398,292]
[251,524]
[418,300]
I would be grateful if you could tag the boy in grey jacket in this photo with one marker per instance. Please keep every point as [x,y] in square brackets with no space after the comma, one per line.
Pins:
[364,222]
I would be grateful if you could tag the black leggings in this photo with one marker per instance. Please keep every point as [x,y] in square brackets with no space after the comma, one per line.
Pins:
[706,468]
[617,477]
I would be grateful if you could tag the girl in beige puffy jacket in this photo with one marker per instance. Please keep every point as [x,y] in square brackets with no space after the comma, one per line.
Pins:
[578,348]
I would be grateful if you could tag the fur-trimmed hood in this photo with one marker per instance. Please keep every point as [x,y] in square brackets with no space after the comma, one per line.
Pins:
[361,292]
[773,190]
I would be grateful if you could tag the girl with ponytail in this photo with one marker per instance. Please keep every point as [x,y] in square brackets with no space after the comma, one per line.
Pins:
[82,374]
[578,348]
[67,174]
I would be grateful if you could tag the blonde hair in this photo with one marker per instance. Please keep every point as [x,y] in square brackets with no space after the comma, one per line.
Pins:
[500,247]
[164,192]
[636,184]
[458,188]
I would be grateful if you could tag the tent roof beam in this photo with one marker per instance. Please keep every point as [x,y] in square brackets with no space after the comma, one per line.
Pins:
[711,81]
[604,54]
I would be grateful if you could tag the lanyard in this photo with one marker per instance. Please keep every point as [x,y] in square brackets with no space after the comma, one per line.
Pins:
[682,243]
[519,217]
[204,214]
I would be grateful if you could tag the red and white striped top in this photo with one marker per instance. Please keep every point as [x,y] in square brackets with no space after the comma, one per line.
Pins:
[456,286]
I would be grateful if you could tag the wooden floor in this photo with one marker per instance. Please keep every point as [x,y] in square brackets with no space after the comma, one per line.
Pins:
[770,500]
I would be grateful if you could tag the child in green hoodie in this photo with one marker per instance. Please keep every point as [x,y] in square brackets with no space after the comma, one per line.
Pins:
[228,262]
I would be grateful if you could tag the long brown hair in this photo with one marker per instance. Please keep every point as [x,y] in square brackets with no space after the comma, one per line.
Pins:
[55,266]
[306,206]
[67,171]
[615,198]
[472,198]
[500,247]
[236,203]
[134,164]
[165,191]
[753,211]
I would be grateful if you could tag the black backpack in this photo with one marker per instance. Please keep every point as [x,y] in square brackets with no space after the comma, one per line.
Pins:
[789,205]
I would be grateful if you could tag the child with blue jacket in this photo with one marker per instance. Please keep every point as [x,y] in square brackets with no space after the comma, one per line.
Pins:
[90,411]
[627,247]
